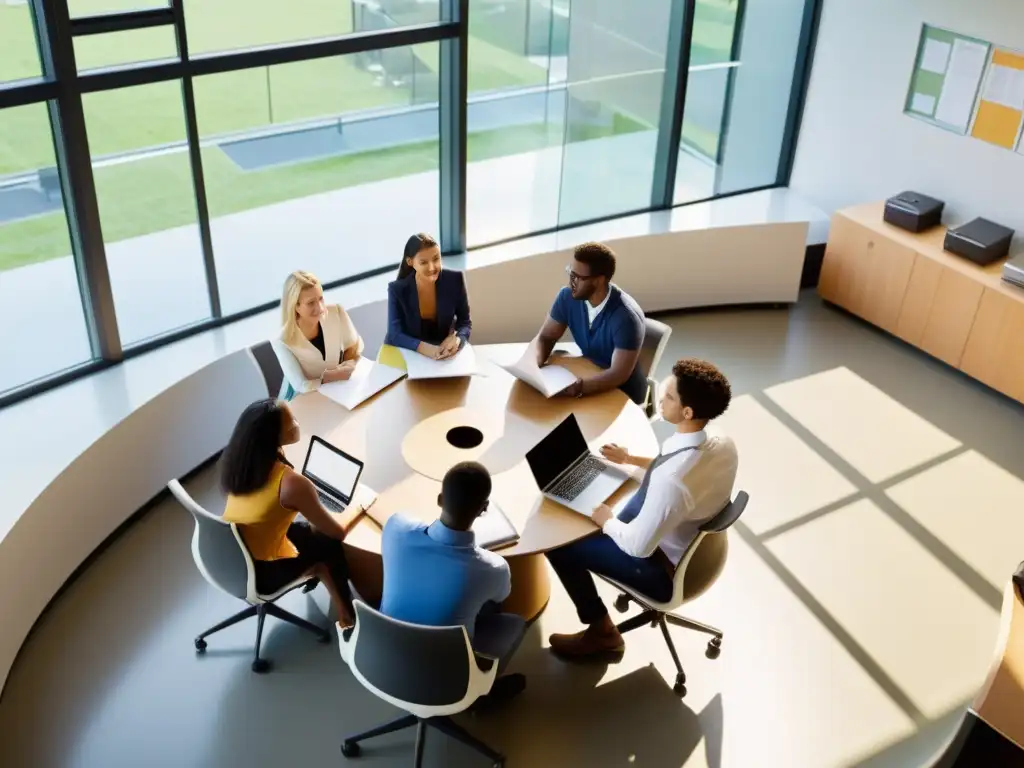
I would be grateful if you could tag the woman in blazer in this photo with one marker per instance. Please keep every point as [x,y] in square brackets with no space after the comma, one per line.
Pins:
[318,342]
[428,308]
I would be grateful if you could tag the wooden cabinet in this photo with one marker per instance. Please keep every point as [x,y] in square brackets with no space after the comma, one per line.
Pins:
[951,316]
[865,273]
[907,284]
[994,352]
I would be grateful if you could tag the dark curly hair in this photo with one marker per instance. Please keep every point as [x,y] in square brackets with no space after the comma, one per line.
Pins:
[598,256]
[702,387]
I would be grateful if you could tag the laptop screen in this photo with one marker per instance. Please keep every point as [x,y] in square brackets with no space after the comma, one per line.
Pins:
[563,445]
[331,469]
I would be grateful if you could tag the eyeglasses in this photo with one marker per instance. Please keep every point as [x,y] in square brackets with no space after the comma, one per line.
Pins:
[573,276]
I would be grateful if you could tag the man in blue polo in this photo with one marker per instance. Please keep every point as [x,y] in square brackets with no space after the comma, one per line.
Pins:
[435,575]
[605,322]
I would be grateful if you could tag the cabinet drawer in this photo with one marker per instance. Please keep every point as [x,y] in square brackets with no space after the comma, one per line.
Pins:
[951,316]
[917,301]
[994,353]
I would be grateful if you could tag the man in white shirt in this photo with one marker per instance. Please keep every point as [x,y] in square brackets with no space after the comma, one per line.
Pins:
[687,484]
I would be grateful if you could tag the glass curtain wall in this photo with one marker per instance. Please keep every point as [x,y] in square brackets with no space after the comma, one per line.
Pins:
[308,135]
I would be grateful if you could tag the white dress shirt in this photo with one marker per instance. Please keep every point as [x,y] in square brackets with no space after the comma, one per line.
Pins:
[593,312]
[302,363]
[684,492]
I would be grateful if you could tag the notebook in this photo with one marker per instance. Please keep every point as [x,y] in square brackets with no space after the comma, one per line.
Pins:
[366,380]
[420,367]
[493,529]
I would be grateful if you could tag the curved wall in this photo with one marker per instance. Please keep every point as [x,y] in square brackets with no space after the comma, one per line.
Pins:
[187,423]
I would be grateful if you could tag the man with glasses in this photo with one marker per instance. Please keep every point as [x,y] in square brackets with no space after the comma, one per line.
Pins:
[605,322]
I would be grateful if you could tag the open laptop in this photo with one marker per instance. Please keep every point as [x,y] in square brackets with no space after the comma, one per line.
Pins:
[569,473]
[334,473]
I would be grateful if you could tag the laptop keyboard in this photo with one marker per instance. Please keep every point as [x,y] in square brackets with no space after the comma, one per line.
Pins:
[573,484]
[329,503]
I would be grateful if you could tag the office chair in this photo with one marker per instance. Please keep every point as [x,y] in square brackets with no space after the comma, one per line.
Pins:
[430,672]
[656,336]
[697,571]
[225,562]
[992,729]
[266,359]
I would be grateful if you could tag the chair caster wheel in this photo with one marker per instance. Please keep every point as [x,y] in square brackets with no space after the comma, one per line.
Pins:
[260,666]
[714,648]
[679,690]
[350,749]
[622,603]
[310,585]
[200,645]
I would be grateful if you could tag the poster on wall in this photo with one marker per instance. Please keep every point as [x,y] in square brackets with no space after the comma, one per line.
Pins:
[947,77]
[1001,104]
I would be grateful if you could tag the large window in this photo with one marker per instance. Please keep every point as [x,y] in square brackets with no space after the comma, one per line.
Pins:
[738,95]
[325,165]
[147,208]
[40,304]
[199,169]
[19,56]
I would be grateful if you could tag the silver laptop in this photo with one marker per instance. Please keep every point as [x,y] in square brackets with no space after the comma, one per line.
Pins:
[569,473]
[334,473]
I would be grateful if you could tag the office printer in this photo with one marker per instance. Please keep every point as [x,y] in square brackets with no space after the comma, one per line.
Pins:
[982,241]
[913,211]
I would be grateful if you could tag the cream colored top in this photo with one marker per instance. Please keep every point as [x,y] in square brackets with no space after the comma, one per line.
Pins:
[302,363]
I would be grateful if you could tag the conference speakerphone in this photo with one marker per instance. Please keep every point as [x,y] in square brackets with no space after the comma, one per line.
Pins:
[913,211]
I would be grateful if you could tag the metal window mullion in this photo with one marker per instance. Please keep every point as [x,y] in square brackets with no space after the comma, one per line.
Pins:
[119,21]
[673,102]
[195,154]
[78,187]
[453,94]
[798,93]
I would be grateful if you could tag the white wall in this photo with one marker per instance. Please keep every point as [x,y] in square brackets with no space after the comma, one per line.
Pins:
[855,142]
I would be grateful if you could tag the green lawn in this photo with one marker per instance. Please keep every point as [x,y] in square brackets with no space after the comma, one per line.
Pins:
[155,193]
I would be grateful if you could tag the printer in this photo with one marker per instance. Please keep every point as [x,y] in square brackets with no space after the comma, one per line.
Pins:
[1013,271]
[982,241]
[913,211]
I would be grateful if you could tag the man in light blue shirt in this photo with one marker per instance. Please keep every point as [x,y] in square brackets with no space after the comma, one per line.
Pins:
[435,575]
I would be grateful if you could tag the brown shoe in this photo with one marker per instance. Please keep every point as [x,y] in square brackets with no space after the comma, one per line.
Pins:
[592,644]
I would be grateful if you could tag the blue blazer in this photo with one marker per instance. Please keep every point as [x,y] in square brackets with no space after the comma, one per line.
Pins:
[404,327]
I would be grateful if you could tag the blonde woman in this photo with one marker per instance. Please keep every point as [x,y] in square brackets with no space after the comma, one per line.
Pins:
[318,343]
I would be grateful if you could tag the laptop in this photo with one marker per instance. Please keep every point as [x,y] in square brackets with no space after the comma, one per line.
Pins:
[334,473]
[569,473]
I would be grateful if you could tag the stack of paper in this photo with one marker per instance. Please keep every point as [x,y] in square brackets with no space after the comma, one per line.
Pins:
[366,380]
[420,367]
[549,380]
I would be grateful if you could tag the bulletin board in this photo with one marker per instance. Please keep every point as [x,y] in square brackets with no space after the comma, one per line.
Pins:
[947,77]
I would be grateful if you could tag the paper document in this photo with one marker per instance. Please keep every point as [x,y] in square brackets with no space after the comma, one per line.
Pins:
[366,380]
[935,57]
[960,88]
[1005,86]
[420,367]
[923,104]
[549,380]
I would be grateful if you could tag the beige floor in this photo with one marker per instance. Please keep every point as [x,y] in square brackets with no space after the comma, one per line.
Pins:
[859,602]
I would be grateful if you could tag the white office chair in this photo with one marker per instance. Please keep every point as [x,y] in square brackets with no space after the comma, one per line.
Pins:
[656,336]
[225,562]
[700,567]
[430,672]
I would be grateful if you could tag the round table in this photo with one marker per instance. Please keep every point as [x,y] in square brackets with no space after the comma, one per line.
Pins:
[402,435]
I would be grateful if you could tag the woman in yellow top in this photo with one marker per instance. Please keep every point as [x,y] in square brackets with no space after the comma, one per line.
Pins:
[264,496]
[318,342]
